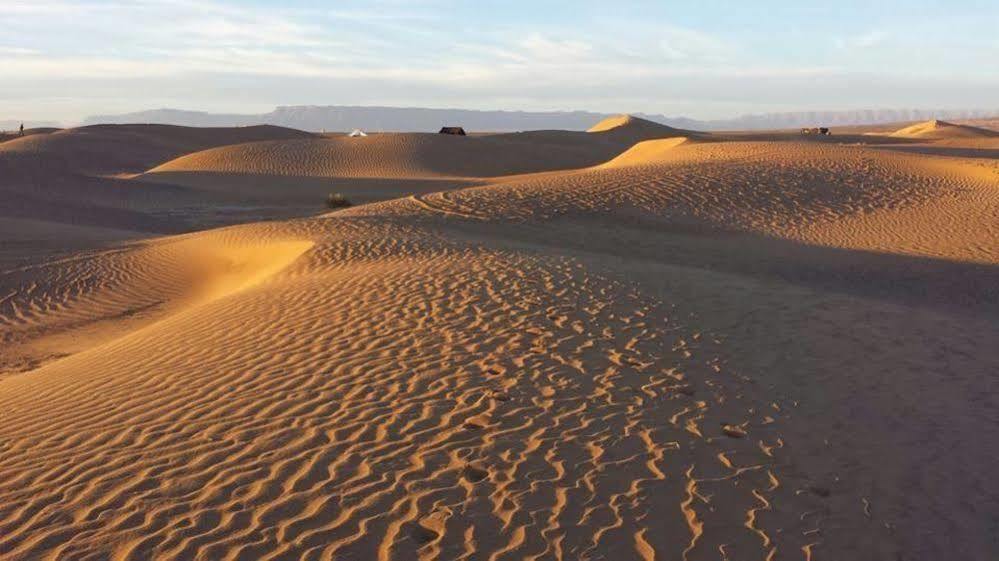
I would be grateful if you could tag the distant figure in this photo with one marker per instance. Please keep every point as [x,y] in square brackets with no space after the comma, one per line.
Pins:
[452,130]
[21,132]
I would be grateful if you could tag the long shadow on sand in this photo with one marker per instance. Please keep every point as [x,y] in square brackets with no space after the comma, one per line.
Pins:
[963,287]
[297,189]
[952,151]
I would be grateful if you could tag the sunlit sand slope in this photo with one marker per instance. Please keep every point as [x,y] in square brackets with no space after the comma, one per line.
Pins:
[389,395]
[684,355]
[635,126]
[70,304]
[416,155]
[944,130]
[384,166]
[791,191]
[86,178]
[646,152]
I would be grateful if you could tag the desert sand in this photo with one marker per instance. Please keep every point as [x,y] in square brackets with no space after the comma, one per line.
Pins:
[631,343]
[942,129]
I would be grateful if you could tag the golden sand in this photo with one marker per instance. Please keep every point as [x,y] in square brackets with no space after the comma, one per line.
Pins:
[635,343]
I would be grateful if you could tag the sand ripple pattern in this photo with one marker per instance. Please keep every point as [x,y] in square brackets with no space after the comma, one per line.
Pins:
[390,400]
[787,191]
[412,380]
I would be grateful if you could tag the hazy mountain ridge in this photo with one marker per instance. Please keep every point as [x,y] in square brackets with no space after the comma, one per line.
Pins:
[393,119]
[846,118]
[388,119]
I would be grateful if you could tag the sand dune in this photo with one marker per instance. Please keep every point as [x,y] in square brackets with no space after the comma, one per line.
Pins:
[83,167]
[85,178]
[943,130]
[5,136]
[498,437]
[80,179]
[684,350]
[414,155]
[990,124]
[760,187]
[133,286]
[635,125]
[382,166]
[647,152]
[109,149]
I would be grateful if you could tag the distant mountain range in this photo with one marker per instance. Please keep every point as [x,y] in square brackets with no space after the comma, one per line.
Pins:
[415,119]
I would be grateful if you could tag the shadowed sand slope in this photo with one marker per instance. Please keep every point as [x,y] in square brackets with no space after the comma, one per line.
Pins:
[111,149]
[71,176]
[743,350]
[74,184]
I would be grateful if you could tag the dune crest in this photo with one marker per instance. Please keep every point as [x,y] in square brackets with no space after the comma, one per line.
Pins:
[417,155]
[119,291]
[937,129]
[613,122]
[646,152]
[635,126]
[111,149]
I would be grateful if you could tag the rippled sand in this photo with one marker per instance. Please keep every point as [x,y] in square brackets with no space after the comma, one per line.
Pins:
[649,345]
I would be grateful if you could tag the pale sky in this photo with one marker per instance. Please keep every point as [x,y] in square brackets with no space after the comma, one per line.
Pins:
[65,59]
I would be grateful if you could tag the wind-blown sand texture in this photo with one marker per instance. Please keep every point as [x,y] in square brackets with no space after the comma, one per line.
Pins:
[678,349]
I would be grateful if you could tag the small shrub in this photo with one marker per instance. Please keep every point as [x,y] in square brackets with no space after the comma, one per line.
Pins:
[336,200]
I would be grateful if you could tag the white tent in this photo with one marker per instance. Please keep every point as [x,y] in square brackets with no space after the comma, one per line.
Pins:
[357,132]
